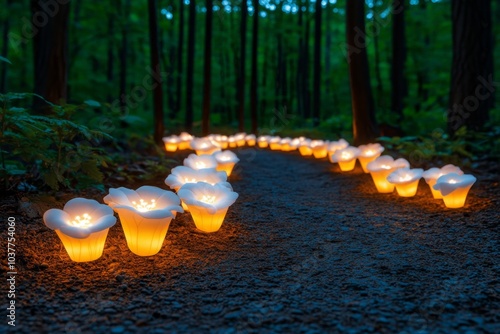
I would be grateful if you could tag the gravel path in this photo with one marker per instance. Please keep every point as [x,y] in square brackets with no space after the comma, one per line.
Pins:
[305,248]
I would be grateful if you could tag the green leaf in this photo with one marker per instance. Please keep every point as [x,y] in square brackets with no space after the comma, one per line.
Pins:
[92,103]
[5,60]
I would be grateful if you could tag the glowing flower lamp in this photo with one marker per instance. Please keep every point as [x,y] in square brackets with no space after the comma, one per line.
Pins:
[198,162]
[82,225]
[275,143]
[345,157]
[380,169]
[262,141]
[232,142]
[240,139]
[251,140]
[204,146]
[226,161]
[454,188]
[181,175]
[337,145]
[431,176]
[207,203]
[305,148]
[222,141]
[185,141]
[171,143]
[368,153]
[145,215]
[406,180]
[319,148]
[285,144]
[294,144]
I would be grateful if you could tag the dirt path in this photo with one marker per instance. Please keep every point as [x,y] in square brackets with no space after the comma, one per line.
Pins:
[304,249]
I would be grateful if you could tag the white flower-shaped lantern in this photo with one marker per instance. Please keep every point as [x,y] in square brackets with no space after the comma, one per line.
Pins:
[204,146]
[454,188]
[431,175]
[406,180]
[226,161]
[199,162]
[345,157]
[145,215]
[82,225]
[207,203]
[368,153]
[380,169]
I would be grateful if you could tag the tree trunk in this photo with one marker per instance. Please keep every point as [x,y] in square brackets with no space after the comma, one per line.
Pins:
[207,75]
[254,78]
[123,57]
[378,75]
[306,69]
[180,70]
[188,124]
[299,84]
[398,82]
[110,55]
[363,109]
[241,72]
[317,65]
[5,50]
[50,54]
[155,64]
[472,88]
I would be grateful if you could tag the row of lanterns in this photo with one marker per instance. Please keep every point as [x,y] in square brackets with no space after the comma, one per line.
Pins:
[200,186]
[448,183]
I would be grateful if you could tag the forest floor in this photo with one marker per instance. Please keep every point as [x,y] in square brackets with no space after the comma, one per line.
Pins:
[305,248]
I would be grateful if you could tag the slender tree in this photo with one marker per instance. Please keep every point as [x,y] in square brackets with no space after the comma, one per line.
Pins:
[471,91]
[398,81]
[364,125]
[378,74]
[241,72]
[299,84]
[207,71]
[188,124]
[124,55]
[254,78]
[110,54]
[317,64]
[50,54]
[180,70]
[5,50]
[155,64]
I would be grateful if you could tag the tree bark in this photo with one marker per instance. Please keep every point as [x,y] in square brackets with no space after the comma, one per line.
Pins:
[155,64]
[398,81]
[317,65]
[363,110]
[50,54]
[241,72]
[5,51]
[254,77]
[188,124]
[207,75]
[123,57]
[180,70]
[110,55]
[471,91]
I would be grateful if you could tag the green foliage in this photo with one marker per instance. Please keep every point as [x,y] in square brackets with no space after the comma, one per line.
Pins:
[464,148]
[5,60]
[52,149]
